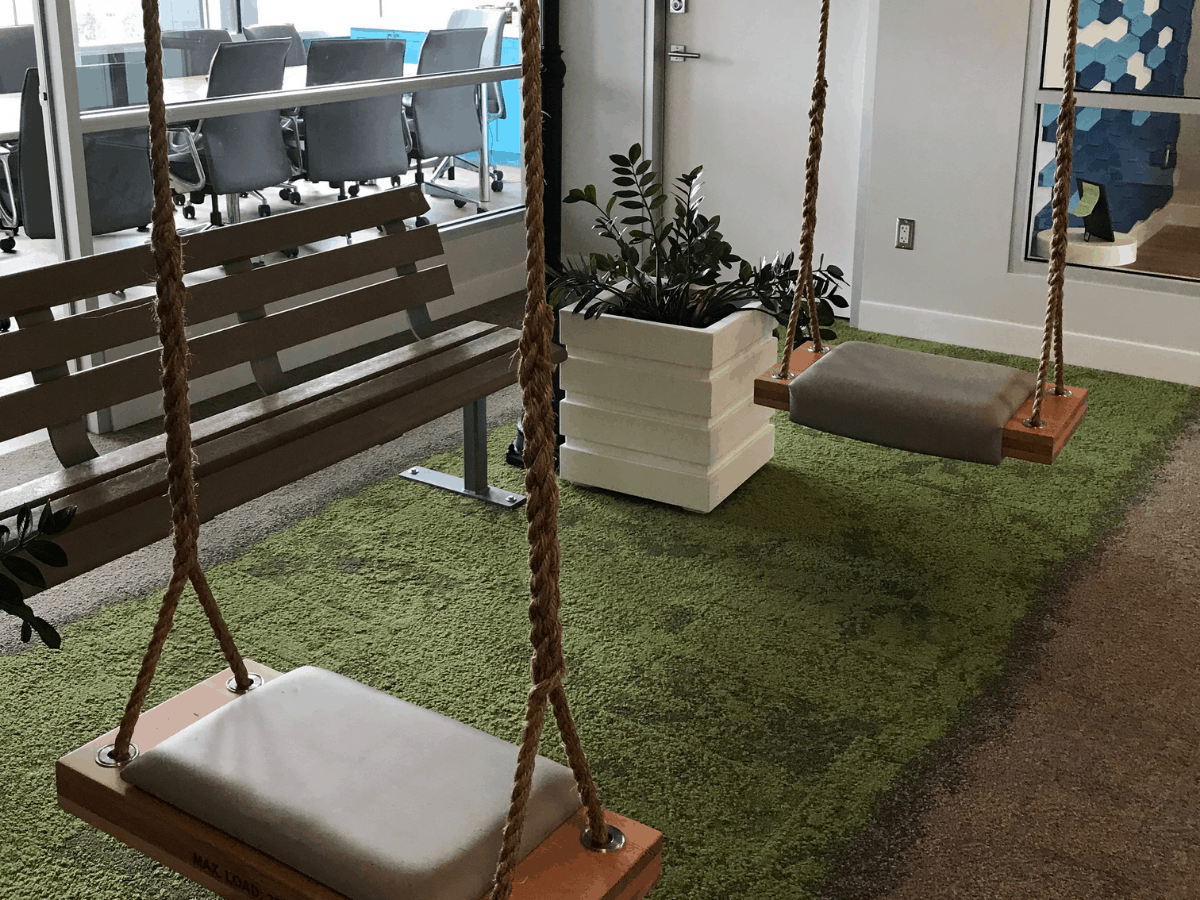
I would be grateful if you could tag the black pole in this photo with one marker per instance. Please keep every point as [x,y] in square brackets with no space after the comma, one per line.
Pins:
[553,75]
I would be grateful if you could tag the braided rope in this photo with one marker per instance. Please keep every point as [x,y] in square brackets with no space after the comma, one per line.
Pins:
[547,667]
[816,130]
[181,486]
[1056,276]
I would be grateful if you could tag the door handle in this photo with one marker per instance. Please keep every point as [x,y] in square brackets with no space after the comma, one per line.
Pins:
[678,53]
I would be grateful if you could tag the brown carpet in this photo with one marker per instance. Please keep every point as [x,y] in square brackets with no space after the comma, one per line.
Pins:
[1079,775]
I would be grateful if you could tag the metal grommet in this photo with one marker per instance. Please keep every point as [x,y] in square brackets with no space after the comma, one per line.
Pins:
[1028,423]
[1065,393]
[104,756]
[255,681]
[616,840]
[812,348]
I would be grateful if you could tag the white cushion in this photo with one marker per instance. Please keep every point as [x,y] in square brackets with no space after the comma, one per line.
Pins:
[368,794]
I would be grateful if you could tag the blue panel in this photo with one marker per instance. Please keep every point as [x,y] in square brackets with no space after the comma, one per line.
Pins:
[1155,57]
[1139,118]
[1110,11]
[1140,24]
[1086,118]
[1134,8]
[1128,45]
[1116,68]
[1091,76]
[1105,51]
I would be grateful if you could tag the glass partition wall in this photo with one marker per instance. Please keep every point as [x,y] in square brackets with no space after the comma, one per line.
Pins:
[93,66]
[273,107]
[1136,177]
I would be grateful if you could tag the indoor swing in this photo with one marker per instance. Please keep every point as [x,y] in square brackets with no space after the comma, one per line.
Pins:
[311,785]
[939,405]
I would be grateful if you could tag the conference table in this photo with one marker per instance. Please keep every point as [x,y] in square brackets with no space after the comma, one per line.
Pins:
[175,90]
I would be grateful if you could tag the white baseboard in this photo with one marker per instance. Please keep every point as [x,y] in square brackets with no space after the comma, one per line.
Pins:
[467,295]
[1109,354]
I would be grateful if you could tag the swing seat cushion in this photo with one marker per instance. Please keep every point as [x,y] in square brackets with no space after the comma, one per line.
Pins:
[947,407]
[370,795]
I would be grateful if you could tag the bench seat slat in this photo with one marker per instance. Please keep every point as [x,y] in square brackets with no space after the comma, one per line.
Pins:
[91,276]
[107,497]
[92,544]
[76,336]
[138,375]
[69,481]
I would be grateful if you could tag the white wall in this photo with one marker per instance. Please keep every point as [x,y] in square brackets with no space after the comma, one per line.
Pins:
[602,43]
[748,122]
[945,111]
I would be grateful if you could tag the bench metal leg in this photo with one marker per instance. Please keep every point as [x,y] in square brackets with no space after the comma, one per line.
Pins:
[474,482]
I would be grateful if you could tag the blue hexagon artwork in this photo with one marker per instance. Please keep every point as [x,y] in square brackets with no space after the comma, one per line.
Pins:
[1086,118]
[1110,10]
[1105,51]
[1091,76]
[1124,149]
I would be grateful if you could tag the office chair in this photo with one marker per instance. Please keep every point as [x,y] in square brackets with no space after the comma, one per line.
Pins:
[355,140]
[445,122]
[18,54]
[493,21]
[117,163]
[238,154]
[296,55]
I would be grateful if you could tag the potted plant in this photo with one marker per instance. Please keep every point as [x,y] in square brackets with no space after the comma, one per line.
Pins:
[19,558]
[670,333]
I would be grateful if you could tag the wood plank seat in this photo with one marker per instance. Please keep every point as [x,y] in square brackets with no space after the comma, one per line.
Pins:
[1062,414]
[292,431]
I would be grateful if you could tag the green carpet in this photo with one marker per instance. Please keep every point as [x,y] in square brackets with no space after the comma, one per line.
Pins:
[749,681]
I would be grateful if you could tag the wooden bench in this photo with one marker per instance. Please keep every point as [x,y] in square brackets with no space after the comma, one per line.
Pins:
[293,430]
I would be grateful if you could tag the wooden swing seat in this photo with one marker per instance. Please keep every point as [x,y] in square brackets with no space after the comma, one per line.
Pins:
[559,867]
[1062,414]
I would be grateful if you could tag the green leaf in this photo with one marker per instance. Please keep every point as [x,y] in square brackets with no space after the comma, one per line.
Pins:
[635,153]
[26,633]
[608,208]
[47,552]
[621,160]
[695,173]
[624,182]
[659,201]
[635,220]
[626,194]
[643,166]
[46,632]
[827,335]
[25,570]
[838,300]
[640,235]
[45,518]
[10,593]
[835,272]
[631,204]
[24,522]
[590,193]
[654,189]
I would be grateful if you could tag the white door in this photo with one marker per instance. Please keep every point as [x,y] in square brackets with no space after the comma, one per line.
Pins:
[741,111]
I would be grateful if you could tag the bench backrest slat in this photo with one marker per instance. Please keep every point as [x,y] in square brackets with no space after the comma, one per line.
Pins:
[91,276]
[103,386]
[77,336]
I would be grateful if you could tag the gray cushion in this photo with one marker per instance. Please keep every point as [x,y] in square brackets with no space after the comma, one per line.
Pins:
[368,794]
[947,407]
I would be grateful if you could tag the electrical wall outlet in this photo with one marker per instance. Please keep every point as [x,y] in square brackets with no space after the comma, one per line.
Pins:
[906,231]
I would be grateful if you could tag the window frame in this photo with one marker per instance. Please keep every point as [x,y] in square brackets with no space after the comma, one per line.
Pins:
[1032,98]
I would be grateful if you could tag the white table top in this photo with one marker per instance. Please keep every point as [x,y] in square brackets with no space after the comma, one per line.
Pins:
[175,90]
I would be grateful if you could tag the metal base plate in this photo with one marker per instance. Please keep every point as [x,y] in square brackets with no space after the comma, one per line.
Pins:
[493,495]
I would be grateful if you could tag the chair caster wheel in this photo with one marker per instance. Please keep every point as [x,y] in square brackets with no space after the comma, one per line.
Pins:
[264,211]
[143,228]
[395,181]
[8,245]
[422,221]
[460,203]
[352,190]
[189,212]
[497,185]
[479,210]
[291,252]
[295,198]
[179,199]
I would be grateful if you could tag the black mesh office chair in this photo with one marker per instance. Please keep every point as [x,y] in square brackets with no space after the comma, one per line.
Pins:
[355,140]
[18,54]
[238,154]
[296,55]
[445,122]
[493,21]
[117,163]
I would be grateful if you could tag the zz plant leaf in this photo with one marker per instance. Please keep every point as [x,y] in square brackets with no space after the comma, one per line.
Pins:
[19,565]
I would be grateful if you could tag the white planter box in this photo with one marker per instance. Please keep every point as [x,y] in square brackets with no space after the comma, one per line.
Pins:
[665,412]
